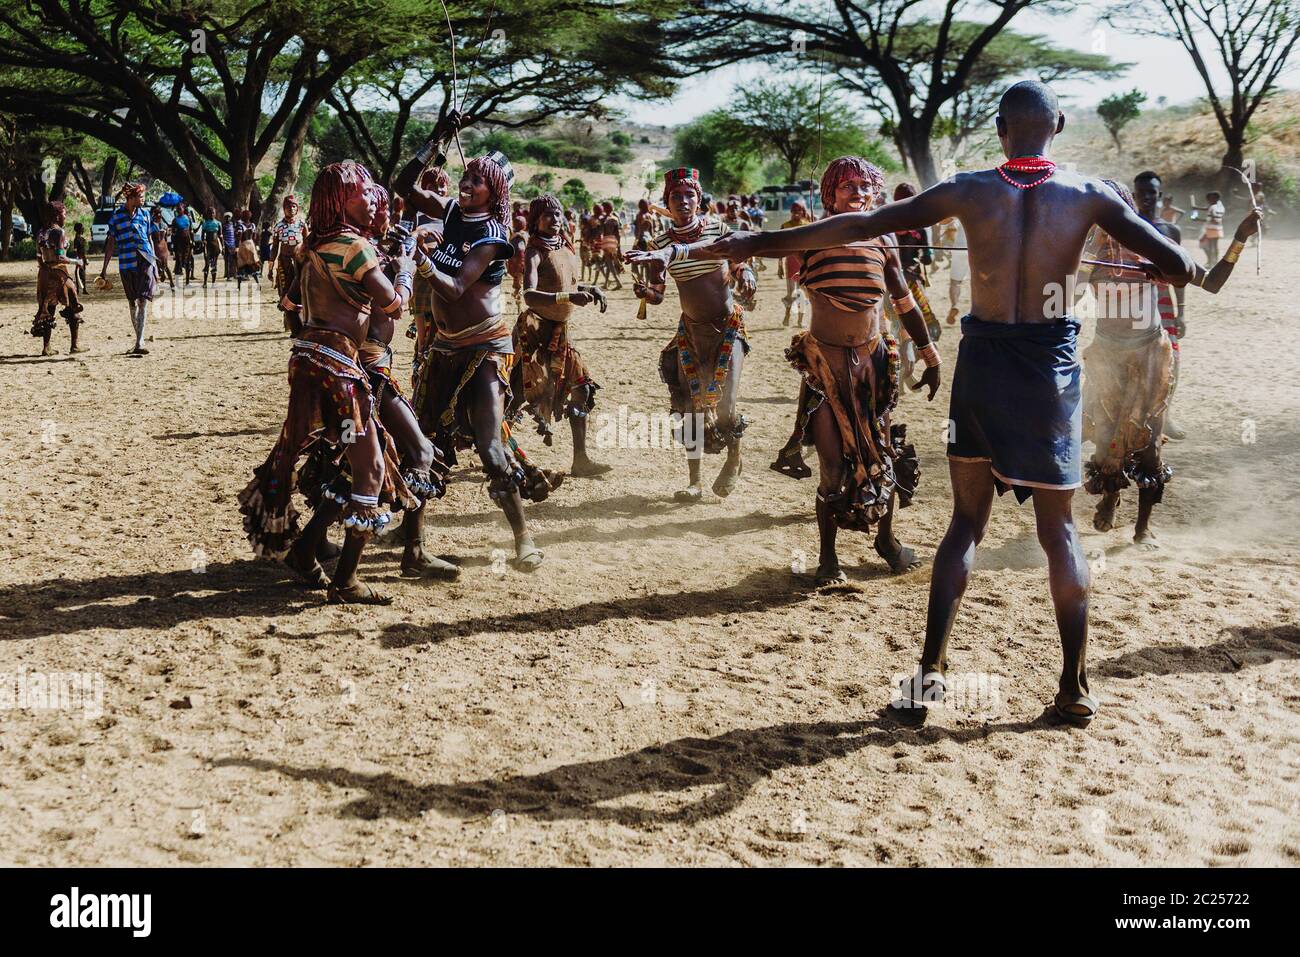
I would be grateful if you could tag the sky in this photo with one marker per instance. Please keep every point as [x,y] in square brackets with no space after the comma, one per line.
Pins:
[1160,68]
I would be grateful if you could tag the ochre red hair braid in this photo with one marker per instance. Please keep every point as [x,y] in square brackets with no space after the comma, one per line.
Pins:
[846,167]
[498,186]
[547,203]
[334,186]
[380,196]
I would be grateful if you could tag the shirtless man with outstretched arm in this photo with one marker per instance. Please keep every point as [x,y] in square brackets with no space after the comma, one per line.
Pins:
[1015,390]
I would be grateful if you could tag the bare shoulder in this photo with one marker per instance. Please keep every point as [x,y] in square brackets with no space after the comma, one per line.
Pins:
[1088,186]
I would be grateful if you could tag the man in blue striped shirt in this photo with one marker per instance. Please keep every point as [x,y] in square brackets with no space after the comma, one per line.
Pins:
[128,236]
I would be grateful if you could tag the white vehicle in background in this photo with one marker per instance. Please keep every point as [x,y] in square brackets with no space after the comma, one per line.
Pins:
[99,227]
[20,228]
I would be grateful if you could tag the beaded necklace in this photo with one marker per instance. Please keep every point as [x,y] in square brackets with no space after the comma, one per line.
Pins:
[1027,164]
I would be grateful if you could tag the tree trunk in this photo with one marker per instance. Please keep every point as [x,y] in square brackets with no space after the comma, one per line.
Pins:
[915,138]
[106,178]
[6,224]
[1229,182]
[59,185]
[286,169]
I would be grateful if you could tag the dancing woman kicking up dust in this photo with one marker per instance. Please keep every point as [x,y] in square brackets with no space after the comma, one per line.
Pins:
[1129,375]
[330,399]
[850,374]
[701,365]
[551,375]
[464,386]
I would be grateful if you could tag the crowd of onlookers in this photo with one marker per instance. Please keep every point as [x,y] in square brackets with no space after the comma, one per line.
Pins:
[233,243]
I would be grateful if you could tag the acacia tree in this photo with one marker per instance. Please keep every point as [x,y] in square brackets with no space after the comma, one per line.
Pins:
[537,59]
[197,92]
[795,121]
[1119,110]
[871,37]
[966,118]
[1250,40]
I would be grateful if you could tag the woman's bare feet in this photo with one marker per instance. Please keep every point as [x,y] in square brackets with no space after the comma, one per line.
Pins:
[528,557]
[416,564]
[356,593]
[729,477]
[689,495]
[586,468]
[308,569]
[899,557]
[830,573]
[1146,537]
[1104,519]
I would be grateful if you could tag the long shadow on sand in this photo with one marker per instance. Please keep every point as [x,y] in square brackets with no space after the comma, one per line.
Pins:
[155,600]
[730,765]
[228,434]
[758,592]
[622,507]
[1245,646]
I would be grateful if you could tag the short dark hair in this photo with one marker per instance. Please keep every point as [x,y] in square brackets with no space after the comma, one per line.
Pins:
[1146,176]
[1214,193]
[1029,104]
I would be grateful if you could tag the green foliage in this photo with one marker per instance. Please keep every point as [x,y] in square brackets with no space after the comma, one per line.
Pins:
[775,132]
[554,150]
[725,167]
[574,192]
[1120,109]
[536,185]
[23,249]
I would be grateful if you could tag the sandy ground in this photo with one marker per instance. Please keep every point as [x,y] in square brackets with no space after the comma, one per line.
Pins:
[668,689]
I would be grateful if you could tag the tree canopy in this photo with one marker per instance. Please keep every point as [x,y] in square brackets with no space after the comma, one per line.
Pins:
[1118,110]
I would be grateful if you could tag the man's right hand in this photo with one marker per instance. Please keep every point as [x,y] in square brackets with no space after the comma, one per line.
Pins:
[1249,226]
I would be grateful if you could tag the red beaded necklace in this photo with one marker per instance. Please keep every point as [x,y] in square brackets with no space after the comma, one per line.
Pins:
[1027,164]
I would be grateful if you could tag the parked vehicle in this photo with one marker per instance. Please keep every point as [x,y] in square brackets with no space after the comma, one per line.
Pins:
[779,199]
[99,227]
[21,229]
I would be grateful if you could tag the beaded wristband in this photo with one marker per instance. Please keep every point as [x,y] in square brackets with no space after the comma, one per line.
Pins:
[929,355]
[904,303]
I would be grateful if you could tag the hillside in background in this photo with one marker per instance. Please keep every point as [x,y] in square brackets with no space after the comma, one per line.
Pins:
[1183,143]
